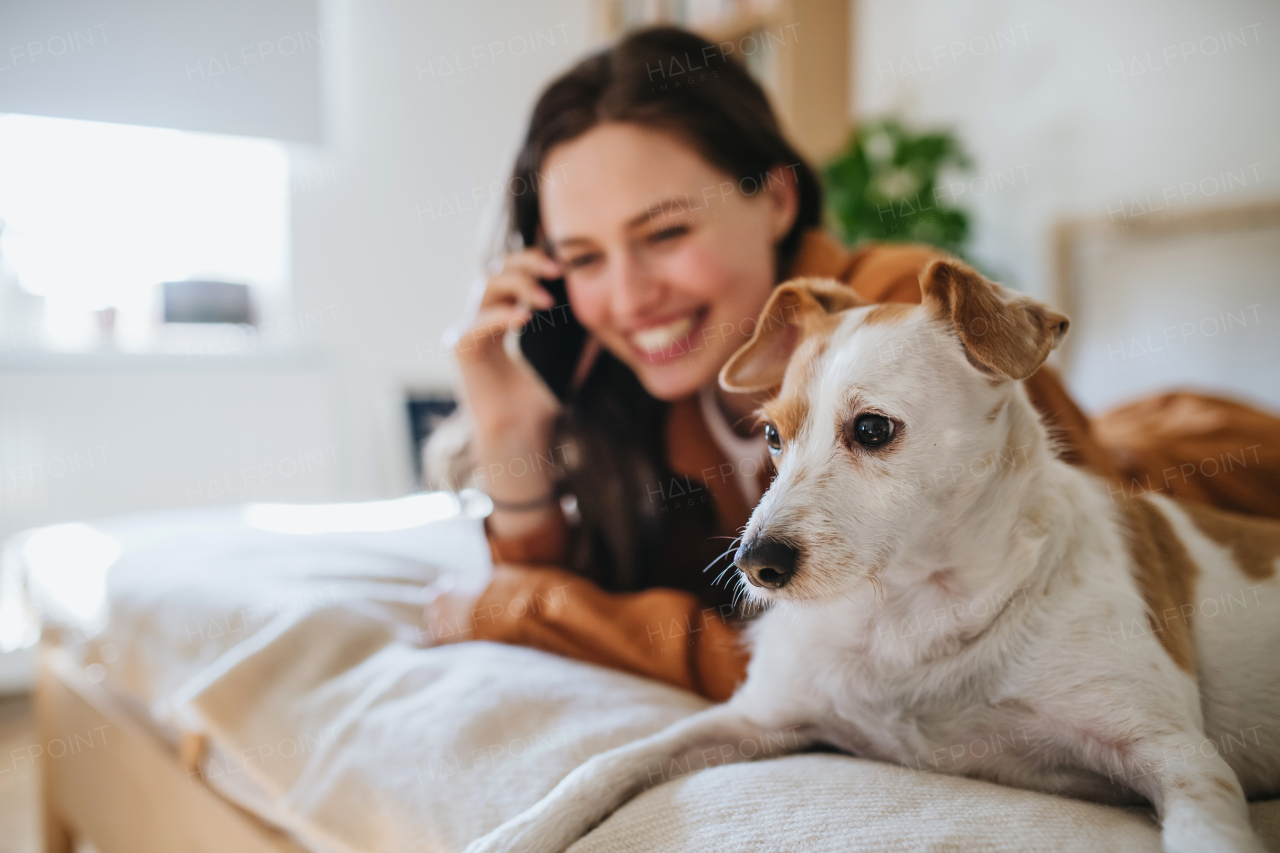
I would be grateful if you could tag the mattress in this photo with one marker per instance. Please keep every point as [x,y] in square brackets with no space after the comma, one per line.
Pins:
[290,637]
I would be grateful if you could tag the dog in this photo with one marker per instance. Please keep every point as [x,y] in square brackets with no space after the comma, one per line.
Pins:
[914,478]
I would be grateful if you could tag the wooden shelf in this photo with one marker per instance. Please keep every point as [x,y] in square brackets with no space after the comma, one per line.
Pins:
[800,55]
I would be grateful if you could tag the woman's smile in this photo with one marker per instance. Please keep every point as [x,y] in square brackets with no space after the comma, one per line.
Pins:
[667,338]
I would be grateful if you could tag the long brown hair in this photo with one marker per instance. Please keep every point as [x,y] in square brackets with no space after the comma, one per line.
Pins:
[671,80]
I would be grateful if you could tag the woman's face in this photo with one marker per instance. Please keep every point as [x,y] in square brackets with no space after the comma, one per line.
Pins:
[667,260]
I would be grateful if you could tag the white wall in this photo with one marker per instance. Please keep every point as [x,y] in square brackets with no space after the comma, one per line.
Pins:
[1087,105]
[237,66]
[1057,101]
[389,242]
[87,437]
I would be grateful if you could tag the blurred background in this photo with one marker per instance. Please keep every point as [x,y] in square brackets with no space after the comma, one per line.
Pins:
[234,235]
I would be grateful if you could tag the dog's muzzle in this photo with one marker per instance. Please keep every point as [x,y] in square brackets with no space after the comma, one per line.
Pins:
[767,563]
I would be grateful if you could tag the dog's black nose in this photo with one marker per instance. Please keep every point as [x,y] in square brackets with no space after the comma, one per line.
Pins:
[767,562]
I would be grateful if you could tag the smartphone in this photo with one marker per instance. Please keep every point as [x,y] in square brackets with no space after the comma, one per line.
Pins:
[552,340]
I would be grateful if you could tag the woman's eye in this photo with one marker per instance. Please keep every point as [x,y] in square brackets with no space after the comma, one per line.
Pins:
[580,261]
[872,430]
[772,439]
[668,233]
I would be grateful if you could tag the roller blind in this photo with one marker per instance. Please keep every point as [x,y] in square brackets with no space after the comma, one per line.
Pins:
[243,67]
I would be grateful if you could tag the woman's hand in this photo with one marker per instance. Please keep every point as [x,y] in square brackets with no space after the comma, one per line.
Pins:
[449,613]
[514,410]
[504,394]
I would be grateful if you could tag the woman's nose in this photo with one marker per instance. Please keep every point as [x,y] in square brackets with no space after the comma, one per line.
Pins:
[635,291]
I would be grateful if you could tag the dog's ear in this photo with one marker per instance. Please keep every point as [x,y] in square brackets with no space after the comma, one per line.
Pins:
[1003,332]
[794,310]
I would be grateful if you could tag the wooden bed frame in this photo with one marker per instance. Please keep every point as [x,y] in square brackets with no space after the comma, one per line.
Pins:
[1071,235]
[109,780]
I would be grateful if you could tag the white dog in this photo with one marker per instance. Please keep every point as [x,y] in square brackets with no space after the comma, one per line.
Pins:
[939,577]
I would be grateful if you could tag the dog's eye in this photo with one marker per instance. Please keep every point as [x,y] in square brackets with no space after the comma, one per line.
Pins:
[772,439]
[872,430]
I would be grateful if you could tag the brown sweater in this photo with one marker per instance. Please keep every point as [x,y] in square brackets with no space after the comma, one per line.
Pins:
[674,635]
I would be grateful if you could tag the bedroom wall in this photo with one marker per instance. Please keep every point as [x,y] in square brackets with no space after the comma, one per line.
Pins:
[1059,98]
[428,103]
[1085,109]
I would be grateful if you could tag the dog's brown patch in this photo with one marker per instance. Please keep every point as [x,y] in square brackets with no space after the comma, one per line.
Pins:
[788,411]
[888,312]
[1254,542]
[796,310]
[1166,577]
[1016,706]
[1224,785]
[1003,332]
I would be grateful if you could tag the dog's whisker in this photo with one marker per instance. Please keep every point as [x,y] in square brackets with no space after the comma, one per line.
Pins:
[721,557]
[795,612]
[723,572]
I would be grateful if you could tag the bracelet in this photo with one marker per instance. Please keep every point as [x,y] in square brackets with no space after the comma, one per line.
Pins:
[524,506]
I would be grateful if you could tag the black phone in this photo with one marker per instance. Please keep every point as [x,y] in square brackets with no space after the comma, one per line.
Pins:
[552,340]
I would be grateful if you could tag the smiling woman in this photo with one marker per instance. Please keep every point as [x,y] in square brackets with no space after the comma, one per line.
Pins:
[674,214]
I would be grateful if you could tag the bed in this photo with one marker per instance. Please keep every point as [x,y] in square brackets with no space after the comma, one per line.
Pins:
[257,678]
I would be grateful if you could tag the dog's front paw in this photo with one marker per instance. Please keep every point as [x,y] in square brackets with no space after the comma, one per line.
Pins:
[504,839]
[533,831]
[499,840]
[1193,834]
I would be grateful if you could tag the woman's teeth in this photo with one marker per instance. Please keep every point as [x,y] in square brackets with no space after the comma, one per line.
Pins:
[659,338]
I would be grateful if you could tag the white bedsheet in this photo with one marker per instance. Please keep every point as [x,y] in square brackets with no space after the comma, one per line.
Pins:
[300,656]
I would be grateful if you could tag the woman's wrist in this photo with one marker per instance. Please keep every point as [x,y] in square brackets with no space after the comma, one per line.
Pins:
[511,525]
[541,502]
[518,476]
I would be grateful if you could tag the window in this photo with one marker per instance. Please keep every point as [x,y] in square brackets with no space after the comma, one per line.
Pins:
[97,215]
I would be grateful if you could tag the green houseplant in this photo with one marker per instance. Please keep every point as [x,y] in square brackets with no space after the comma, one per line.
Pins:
[885,186]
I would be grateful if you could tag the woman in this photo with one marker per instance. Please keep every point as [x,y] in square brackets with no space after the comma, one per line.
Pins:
[670,207]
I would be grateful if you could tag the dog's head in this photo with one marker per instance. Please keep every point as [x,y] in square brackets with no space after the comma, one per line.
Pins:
[889,417]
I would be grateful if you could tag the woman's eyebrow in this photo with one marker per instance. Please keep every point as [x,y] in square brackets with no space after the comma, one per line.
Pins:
[674,204]
[569,242]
